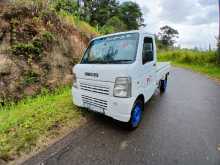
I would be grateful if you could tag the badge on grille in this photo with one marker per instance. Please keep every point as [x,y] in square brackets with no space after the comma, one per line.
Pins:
[91,74]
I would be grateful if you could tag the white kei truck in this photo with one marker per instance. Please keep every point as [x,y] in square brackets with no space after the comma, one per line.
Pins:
[118,74]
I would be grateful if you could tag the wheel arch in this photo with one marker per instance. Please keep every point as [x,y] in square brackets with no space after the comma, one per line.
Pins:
[141,97]
[130,123]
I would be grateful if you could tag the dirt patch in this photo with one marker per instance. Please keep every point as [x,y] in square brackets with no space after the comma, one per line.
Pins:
[37,50]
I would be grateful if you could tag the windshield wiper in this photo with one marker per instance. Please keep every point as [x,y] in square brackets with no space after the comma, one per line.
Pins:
[119,61]
[108,62]
[96,62]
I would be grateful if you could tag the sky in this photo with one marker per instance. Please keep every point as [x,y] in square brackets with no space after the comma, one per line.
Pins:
[195,20]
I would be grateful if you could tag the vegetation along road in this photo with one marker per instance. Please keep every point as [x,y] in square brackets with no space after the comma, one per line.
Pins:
[178,127]
[40,42]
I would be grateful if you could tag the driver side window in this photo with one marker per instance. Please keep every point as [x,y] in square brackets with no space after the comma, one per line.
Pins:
[148,50]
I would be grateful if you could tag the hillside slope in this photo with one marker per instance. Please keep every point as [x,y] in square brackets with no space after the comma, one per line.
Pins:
[38,48]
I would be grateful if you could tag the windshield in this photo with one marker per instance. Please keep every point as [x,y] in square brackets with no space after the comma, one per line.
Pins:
[118,49]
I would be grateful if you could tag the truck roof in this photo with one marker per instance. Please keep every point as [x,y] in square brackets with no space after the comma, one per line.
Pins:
[131,31]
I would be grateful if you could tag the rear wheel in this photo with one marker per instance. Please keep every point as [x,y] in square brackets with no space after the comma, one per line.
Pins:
[163,85]
[136,114]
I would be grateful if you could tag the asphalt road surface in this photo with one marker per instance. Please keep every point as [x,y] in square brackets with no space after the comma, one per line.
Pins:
[180,127]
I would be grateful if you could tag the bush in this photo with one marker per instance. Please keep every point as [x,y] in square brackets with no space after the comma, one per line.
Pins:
[68,6]
[107,29]
[27,50]
[48,36]
[33,50]
[114,24]
[82,26]
[50,17]
[189,57]
[38,44]
[23,8]
[30,78]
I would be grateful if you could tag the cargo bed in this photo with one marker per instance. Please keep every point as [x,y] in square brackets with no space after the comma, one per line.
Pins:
[162,69]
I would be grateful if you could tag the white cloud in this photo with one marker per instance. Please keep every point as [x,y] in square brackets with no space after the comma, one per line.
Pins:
[176,11]
[200,36]
[208,2]
[196,20]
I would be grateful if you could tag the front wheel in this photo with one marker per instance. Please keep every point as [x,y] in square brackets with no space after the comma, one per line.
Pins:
[136,115]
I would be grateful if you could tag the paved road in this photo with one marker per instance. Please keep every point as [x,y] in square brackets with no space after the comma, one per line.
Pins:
[180,127]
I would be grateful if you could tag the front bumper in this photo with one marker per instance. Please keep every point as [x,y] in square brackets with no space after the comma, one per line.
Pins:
[117,108]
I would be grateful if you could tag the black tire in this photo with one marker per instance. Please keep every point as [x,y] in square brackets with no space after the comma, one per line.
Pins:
[163,85]
[132,124]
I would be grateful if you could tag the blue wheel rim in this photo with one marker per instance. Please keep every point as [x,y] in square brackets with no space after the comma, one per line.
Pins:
[136,115]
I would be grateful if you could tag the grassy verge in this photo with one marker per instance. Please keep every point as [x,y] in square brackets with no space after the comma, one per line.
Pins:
[211,71]
[202,62]
[23,125]
[82,26]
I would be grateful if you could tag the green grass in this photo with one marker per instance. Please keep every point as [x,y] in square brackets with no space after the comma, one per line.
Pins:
[210,70]
[23,124]
[202,62]
[79,24]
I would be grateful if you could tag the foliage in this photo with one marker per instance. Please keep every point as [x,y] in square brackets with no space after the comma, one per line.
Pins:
[50,17]
[160,45]
[68,6]
[27,50]
[30,78]
[38,43]
[167,36]
[210,70]
[112,16]
[130,13]
[218,50]
[107,29]
[23,8]
[79,24]
[34,49]
[33,31]
[189,56]
[22,125]
[114,24]
[48,36]
[98,12]
[203,62]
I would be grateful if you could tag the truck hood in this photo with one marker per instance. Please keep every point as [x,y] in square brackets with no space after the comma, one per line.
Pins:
[101,72]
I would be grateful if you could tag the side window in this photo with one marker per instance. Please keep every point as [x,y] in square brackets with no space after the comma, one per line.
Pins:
[148,50]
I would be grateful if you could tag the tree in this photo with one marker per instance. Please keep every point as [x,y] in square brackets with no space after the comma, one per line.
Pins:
[218,50]
[114,24]
[167,36]
[131,15]
[97,12]
[69,6]
[160,46]
[107,15]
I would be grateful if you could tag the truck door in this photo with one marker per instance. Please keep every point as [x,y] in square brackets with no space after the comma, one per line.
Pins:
[149,67]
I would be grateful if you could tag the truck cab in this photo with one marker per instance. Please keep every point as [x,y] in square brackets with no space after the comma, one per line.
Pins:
[118,73]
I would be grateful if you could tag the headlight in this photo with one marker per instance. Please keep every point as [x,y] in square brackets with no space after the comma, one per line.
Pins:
[122,87]
[74,81]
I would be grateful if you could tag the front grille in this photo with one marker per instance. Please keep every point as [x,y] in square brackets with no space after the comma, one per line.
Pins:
[94,88]
[95,102]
